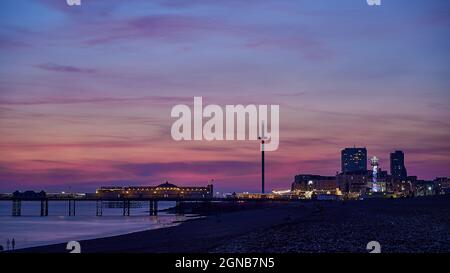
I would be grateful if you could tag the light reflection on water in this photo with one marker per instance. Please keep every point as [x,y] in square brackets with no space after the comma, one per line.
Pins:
[30,229]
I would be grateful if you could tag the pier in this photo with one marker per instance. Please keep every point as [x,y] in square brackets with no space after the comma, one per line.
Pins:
[125,203]
[99,203]
[124,197]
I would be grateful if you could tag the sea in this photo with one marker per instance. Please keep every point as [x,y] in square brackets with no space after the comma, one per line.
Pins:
[30,229]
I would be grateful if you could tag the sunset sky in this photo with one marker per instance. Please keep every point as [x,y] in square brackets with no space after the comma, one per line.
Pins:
[86,92]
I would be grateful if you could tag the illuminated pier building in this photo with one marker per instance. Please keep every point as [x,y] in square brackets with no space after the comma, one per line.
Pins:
[165,190]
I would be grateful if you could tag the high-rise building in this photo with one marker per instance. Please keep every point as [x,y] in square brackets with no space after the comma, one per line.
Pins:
[353,160]
[398,170]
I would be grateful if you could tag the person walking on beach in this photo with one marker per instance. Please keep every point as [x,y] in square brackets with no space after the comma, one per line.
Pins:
[7,244]
[13,243]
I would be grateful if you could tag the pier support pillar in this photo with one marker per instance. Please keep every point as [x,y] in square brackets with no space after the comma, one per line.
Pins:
[99,208]
[179,207]
[150,207]
[16,207]
[71,207]
[126,207]
[153,207]
[44,207]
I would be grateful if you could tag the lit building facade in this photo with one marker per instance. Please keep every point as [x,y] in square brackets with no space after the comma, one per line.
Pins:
[425,188]
[353,160]
[376,187]
[404,187]
[442,184]
[379,179]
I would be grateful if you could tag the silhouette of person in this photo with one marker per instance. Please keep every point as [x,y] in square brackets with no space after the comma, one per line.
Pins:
[13,243]
[7,244]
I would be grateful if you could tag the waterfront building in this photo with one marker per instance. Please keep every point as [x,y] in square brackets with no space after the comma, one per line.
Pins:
[442,184]
[311,182]
[404,187]
[353,182]
[353,160]
[375,187]
[378,179]
[425,188]
[398,169]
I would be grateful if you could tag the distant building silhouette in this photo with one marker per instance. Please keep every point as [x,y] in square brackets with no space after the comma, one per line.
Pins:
[398,170]
[353,160]
[353,182]
[443,184]
[308,182]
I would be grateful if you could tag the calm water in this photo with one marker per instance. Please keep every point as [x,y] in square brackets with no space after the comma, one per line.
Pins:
[30,229]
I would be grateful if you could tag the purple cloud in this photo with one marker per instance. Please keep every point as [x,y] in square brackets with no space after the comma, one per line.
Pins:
[8,43]
[73,100]
[166,27]
[64,68]
[182,28]
[228,168]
